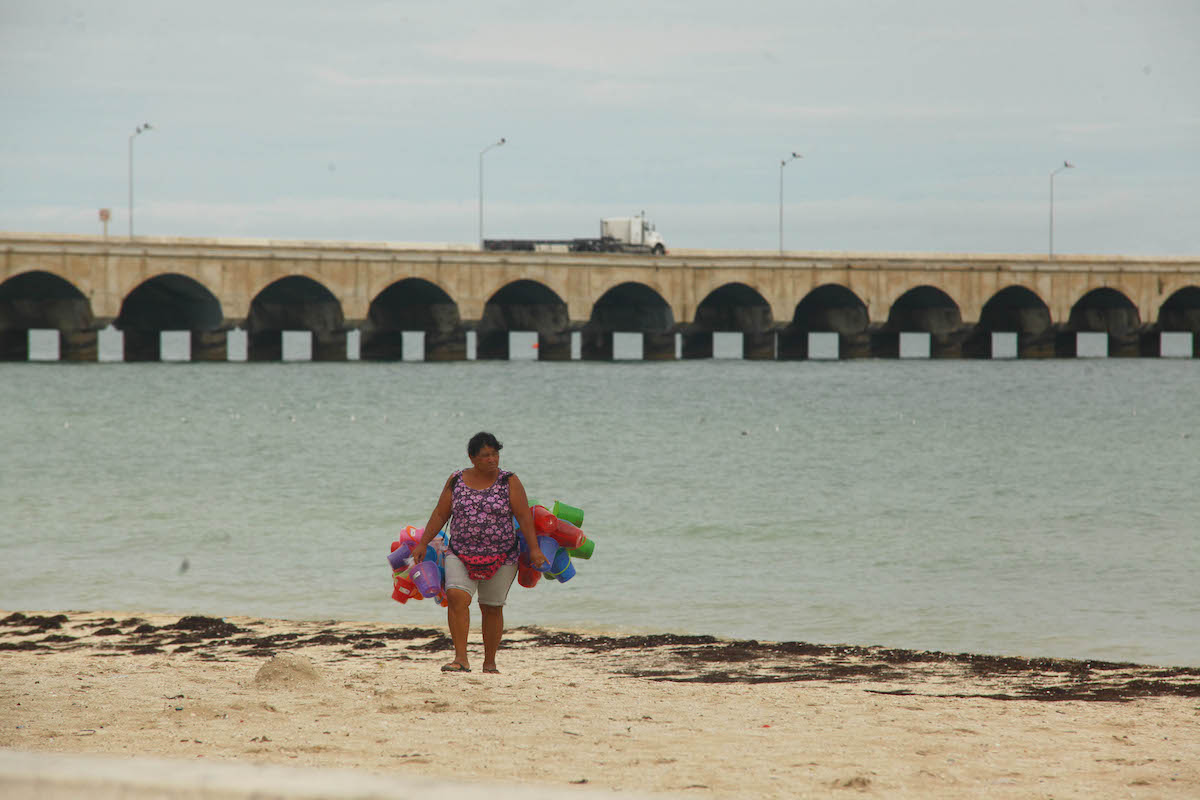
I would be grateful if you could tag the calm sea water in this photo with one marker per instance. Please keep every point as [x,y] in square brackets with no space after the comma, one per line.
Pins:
[1025,508]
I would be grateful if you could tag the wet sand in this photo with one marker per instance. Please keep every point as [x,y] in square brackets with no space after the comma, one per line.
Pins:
[692,716]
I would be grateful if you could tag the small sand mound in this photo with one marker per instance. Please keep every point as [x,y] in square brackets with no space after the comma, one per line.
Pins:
[287,670]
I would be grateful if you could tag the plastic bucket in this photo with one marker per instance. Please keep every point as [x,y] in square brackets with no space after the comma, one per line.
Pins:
[399,556]
[585,549]
[528,576]
[567,535]
[567,573]
[543,520]
[571,514]
[428,578]
[403,590]
[549,550]
[562,562]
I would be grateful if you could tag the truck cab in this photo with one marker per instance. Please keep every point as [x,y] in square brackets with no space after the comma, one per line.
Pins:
[635,233]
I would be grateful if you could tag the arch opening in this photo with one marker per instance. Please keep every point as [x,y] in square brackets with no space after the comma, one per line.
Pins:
[925,308]
[831,308]
[632,307]
[525,305]
[295,303]
[734,307]
[1104,310]
[170,302]
[39,299]
[413,304]
[43,300]
[1181,311]
[1015,309]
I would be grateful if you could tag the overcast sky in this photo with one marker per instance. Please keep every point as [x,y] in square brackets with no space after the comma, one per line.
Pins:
[924,125]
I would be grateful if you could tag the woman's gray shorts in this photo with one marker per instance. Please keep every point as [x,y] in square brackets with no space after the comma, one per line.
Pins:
[492,592]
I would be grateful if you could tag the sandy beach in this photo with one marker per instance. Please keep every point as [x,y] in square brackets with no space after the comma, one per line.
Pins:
[689,716]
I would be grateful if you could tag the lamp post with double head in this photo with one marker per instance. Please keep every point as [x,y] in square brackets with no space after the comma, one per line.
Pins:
[783,164]
[1066,165]
[145,126]
[481,152]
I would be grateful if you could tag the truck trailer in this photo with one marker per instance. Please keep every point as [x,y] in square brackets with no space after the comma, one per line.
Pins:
[617,235]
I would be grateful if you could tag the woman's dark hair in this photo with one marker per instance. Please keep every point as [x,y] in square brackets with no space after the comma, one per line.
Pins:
[481,440]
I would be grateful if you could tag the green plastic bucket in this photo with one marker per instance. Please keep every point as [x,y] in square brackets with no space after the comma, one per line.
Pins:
[571,514]
[584,550]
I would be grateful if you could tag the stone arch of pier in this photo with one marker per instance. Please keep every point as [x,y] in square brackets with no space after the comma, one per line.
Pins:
[524,305]
[1014,309]
[645,293]
[1103,310]
[729,307]
[924,308]
[921,309]
[413,304]
[829,308]
[734,307]
[295,303]
[170,302]
[630,307]
[40,299]
[1181,311]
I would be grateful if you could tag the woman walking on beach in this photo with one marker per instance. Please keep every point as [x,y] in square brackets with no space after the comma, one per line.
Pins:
[481,502]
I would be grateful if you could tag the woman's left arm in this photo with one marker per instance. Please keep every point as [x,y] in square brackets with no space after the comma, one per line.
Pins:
[520,508]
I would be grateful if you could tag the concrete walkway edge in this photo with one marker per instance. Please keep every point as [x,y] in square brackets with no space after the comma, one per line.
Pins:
[53,776]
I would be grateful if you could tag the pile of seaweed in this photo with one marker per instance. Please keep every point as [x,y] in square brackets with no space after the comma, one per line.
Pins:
[658,657]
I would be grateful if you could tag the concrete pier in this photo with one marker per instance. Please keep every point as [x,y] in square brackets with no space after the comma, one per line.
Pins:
[79,284]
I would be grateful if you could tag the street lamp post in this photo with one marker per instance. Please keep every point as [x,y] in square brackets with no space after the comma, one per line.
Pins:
[481,152]
[783,164]
[1066,165]
[140,128]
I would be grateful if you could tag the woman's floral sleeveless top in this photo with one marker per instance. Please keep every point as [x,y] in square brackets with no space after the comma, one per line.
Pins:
[481,527]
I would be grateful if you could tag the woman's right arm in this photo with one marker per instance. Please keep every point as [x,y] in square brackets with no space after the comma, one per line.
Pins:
[436,520]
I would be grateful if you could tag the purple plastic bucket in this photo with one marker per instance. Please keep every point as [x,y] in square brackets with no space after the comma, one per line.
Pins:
[428,578]
[398,556]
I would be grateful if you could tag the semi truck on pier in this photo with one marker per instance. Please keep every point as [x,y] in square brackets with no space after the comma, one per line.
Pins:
[617,235]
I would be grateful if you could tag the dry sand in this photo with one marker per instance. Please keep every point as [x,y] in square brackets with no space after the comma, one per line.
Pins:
[691,716]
